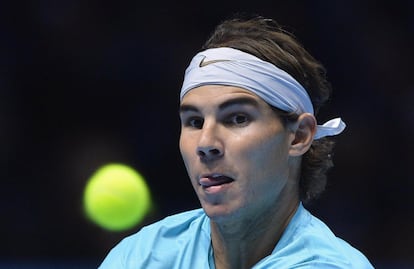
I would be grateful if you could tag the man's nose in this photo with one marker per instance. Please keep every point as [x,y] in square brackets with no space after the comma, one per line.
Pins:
[210,146]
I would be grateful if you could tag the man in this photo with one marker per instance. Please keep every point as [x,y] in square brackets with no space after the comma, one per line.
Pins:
[254,152]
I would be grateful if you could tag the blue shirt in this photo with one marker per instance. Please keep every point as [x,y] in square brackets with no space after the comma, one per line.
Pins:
[183,241]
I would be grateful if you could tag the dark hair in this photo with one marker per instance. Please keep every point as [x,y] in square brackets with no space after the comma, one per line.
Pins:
[267,40]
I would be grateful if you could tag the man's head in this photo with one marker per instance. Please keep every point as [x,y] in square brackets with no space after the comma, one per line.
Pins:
[241,158]
[259,56]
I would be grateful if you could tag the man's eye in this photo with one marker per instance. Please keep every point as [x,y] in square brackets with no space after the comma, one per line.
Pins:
[238,119]
[195,123]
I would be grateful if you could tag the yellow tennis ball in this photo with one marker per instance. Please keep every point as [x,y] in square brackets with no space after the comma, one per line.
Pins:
[116,197]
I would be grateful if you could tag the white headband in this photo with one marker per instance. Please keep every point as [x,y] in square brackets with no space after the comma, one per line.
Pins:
[231,67]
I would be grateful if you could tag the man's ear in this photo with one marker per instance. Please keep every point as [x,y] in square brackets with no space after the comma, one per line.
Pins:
[305,129]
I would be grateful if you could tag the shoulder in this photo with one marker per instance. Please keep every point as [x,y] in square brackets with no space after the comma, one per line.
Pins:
[177,223]
[166,236]
[310,242]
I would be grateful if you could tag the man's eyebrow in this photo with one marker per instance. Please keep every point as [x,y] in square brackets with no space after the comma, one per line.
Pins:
[187,108]
[239,101]
[228,103]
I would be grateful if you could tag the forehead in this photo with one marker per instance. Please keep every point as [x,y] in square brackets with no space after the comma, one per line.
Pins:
[215,94]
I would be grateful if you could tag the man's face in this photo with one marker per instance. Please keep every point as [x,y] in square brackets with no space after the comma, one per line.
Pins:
[235,149]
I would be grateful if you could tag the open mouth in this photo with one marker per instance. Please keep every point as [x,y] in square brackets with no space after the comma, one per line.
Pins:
[214,180]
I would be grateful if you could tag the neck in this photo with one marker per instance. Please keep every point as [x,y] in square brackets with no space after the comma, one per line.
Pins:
[241,244]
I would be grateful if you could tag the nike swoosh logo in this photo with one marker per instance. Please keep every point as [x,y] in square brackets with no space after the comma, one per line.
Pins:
[204,63]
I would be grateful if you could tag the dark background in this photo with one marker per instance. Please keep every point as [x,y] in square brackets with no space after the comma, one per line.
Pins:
[84,83]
